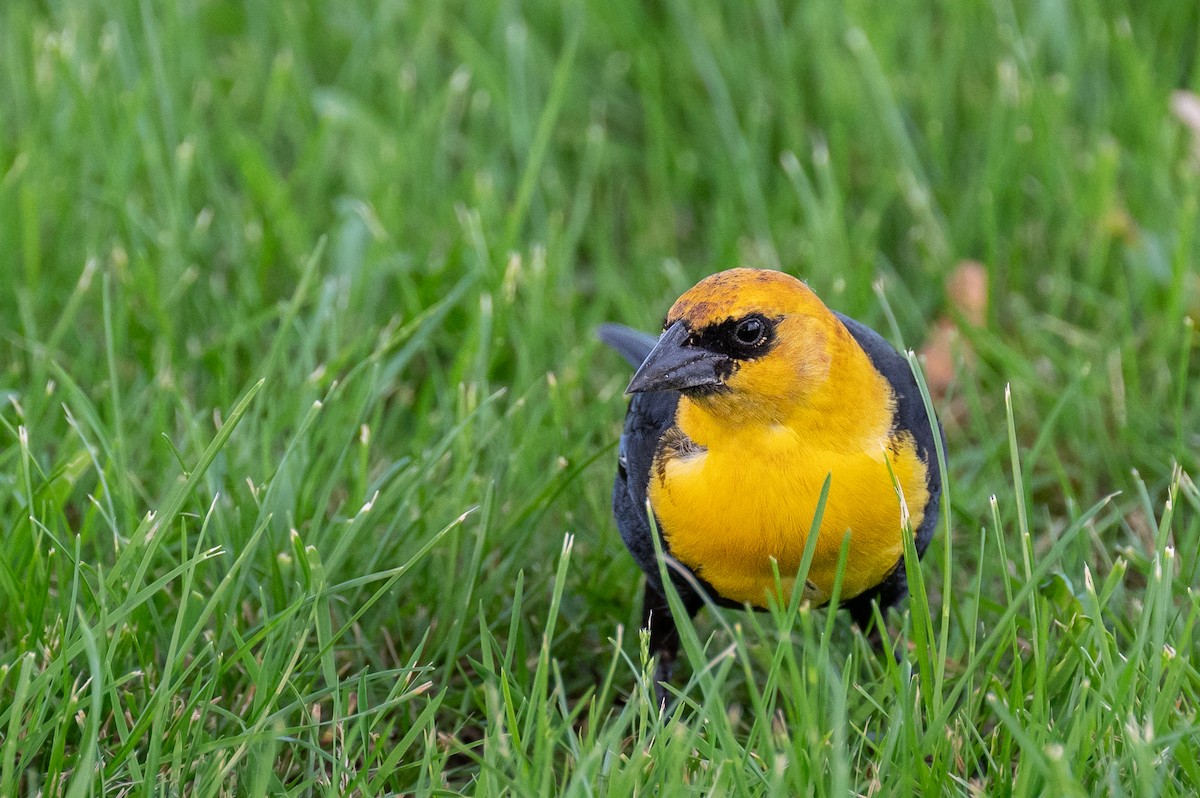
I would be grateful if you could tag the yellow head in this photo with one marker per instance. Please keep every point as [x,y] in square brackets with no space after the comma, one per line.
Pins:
[753,346]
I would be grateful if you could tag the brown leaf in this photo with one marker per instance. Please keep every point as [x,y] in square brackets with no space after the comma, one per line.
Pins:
[946,349]
[967,291]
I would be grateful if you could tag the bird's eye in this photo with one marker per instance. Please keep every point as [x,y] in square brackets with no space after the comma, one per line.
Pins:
[750,332]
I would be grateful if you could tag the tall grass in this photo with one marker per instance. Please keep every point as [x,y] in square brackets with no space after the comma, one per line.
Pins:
[307,442]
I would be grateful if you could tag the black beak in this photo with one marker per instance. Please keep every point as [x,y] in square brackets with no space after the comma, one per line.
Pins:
[673,365]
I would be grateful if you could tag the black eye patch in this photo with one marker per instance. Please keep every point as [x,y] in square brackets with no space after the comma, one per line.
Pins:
[743,338]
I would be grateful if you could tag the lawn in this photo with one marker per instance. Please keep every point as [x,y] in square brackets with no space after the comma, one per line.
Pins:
[306,440]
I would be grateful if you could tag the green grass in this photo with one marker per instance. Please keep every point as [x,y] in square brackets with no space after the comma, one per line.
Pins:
[306,441]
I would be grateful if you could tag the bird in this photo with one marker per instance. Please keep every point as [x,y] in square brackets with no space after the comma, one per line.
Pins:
[755,396]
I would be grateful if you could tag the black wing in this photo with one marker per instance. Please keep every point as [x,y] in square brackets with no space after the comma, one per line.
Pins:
[910,416]
[649,416]
[633,345]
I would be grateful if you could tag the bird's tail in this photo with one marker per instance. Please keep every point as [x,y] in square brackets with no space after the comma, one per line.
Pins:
[631,344]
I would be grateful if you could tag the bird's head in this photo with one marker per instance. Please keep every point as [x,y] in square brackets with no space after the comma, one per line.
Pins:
[746,343]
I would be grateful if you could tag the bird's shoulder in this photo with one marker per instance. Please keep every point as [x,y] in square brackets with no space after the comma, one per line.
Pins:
[649,418]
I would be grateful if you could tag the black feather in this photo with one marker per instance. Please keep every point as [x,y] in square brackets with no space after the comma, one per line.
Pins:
[633,345]
[649,417]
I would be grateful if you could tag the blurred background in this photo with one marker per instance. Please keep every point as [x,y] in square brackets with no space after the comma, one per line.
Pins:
[406,219]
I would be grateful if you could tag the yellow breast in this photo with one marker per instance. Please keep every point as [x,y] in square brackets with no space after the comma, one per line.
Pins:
[751,496]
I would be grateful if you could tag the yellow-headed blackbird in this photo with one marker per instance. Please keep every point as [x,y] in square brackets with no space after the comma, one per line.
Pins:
[754,395]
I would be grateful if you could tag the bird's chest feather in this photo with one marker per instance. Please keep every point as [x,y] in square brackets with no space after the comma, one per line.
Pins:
[727,509]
